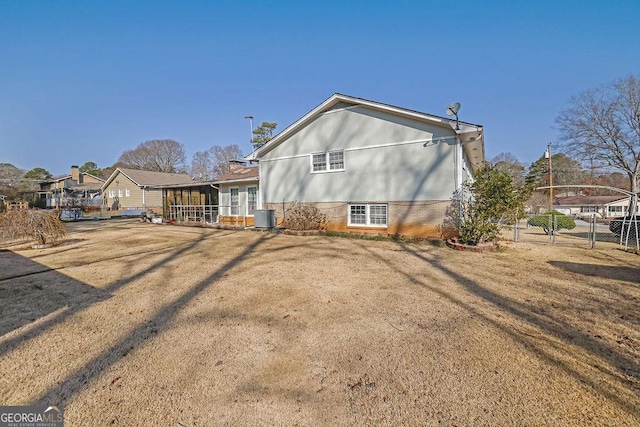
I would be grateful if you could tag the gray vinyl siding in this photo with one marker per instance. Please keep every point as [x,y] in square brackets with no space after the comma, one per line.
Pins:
[408,166]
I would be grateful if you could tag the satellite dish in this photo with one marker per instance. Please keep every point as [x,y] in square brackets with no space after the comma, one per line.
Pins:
[452,109]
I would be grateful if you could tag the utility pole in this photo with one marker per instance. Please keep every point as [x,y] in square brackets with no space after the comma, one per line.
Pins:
[547,154]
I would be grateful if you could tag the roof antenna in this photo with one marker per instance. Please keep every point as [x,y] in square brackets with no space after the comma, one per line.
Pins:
[452,110]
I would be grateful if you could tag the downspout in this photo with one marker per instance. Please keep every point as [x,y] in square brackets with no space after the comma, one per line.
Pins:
[458,176]
[459,163]
[259,195]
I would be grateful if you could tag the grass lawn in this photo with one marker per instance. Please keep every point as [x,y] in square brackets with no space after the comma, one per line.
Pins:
[138,324]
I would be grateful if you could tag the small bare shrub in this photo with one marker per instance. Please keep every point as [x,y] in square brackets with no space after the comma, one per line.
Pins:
[304,216]
[38,226]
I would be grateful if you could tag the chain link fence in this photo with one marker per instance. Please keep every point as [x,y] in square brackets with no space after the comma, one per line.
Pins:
[589,231]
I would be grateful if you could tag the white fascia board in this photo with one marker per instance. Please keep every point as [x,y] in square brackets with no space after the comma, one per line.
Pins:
[335,98]
[113,175]
[292,129]
[237,181]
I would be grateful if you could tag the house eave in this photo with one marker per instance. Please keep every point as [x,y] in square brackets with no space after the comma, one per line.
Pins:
[112,177]
[237,181]
[472,140]
[336,98]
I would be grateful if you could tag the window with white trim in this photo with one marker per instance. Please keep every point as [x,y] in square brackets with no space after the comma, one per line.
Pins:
[319,162]
[234,197]
[127,192]
[618,209]
[119,192]
[368,215]
[336,160]
[589,209]
[252,200]
[112,193]
[329,161]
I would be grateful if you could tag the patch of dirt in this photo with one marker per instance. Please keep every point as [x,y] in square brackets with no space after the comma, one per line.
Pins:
[140,324]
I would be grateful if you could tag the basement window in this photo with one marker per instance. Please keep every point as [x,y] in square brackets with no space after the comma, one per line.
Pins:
[368,215]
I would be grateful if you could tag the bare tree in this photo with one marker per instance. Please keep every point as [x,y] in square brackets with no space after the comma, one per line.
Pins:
[202,166]
[16,184]
[221,158]
[602,126]
[216,161]
[510,164]
[160,155]
[10,178]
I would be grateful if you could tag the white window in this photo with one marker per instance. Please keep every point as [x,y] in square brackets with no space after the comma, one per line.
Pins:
[252,200]
[336,160]
[328,161]
[127,192]
[119,192]
[234,196]
[358,215]
[319,162]
[112,193]
[618,209]
[368,215]
[589,209]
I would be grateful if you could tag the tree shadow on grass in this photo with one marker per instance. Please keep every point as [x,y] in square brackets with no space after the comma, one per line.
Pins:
[77,380]
[625,367]
[627,274]
[17,284]
[30,291]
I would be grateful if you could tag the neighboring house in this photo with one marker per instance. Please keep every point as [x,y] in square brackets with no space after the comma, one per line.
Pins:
[128,189]
[78,188]
[238,190]
[370,167]
[601,206]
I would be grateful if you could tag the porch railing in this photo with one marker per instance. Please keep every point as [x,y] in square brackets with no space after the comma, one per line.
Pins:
[208,214]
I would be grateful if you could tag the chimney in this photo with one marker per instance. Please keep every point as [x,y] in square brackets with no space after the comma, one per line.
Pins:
[75,174]
[234,165]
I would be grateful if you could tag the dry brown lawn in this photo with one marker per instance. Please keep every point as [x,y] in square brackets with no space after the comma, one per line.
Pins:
[137,324]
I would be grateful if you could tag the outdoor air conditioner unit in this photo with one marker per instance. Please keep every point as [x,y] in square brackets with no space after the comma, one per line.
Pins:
[265,218]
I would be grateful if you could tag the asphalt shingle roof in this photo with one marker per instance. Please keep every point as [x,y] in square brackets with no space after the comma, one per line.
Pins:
[149,178]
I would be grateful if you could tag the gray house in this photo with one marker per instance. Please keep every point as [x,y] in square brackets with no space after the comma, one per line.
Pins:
[370,167]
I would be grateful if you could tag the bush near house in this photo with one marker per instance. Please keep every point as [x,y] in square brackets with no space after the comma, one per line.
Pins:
[487,202]
[552,222]
[303,216]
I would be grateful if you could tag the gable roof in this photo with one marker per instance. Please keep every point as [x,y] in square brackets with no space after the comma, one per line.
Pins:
[92,176]
[149,178]
[244,173]
[471,135]
[588,200]
[65,177]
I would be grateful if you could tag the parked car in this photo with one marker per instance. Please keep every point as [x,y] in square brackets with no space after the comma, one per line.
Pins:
[588,215]
[630,223]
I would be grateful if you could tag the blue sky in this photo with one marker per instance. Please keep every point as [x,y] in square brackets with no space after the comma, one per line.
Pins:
[84,81]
